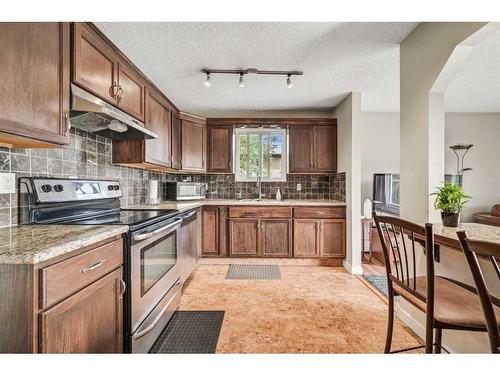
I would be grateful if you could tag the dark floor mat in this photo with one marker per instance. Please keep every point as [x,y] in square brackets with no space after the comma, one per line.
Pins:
[253,272]
[190,332]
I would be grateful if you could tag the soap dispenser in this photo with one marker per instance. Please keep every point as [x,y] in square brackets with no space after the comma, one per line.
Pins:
[278,194]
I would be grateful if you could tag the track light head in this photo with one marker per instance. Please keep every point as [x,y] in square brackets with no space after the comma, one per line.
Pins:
[241,82]
[289,82]
[207,82]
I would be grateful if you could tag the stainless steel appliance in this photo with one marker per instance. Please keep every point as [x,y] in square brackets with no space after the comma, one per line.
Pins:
[92,114]
[152,271]
[190,243]
[183,191]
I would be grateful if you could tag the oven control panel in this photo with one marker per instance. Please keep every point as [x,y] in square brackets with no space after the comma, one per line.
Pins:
[50,190]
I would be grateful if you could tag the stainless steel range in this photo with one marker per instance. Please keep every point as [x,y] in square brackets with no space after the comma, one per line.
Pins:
[152,272]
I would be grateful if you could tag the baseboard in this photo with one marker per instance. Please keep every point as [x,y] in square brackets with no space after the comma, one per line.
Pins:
[358,270]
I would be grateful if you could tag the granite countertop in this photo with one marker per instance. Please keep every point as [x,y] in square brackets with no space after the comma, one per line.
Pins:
[187,205]
[31,244]
[448,236]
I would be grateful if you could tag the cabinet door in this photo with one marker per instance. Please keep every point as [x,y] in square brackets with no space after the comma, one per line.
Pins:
[34,75]
[131,91]
[301,149]
[95,64]
[244,237]
[306,238]
[220,149]
[325,148]
[332,238]
[158,120]
[193,146]
[176,140]
[210,231]
[276,238]
[89,321]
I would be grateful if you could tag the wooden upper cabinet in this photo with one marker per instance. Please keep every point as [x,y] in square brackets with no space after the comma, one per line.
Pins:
[158,119]
[325,148]
[313,149]
[193,143]
[131,91]
[95,63]
[98,68]
[176,140]
[276,237]
[332,238]
[35,78]
[301,140]
[220,149]
[90,321]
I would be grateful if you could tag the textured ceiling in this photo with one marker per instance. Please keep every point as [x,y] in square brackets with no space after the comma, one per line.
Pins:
[476,87]
[336,58]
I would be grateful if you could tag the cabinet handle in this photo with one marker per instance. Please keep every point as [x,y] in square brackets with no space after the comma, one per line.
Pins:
[94,266]
[123,288]
[67,124]
[120,93]
[115,90]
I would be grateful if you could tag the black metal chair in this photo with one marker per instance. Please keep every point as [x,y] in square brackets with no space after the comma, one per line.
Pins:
[447,304]
[490,251]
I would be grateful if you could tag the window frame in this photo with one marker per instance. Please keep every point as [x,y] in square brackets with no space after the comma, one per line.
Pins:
[260,132]
[391,203]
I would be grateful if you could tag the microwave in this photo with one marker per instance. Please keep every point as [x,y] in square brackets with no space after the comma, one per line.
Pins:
[184,191]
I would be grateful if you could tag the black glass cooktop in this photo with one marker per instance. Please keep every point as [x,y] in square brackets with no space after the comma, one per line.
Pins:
[132,218]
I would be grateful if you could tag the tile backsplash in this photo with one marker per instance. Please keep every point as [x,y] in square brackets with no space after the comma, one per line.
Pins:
[89,156]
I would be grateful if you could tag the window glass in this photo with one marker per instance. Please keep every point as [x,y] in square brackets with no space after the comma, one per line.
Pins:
[394,197]
[260,152]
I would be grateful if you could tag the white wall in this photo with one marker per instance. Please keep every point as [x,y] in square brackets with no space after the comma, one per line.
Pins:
[423,55]
[380,147]
[483,183]
[348,114]
[380,153]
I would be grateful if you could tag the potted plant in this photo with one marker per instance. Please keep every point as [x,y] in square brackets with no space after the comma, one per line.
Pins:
[450,199]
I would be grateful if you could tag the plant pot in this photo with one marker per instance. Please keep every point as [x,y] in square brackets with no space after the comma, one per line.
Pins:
[450,219]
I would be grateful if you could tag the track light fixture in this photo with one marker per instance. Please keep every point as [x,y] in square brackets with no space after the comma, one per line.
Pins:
[207,82]
[242,73]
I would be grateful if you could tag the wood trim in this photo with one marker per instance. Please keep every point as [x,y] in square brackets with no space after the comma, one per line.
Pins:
[272,121]
[192,118]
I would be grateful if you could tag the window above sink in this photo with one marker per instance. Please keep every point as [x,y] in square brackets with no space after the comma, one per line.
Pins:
[260,152]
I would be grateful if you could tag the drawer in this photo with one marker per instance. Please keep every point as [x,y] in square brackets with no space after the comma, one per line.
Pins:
[319,212]
[64,278]
[260,212]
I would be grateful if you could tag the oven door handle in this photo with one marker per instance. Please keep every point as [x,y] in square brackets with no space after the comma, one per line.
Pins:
[148,329]
[144,236]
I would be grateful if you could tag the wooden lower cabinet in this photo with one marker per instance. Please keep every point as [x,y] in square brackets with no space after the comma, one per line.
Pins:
[260,237]
[323,238]
[258,231]
[244,237]
[306,238]
[214,232]
[332,238]
[89,321]
[276,237]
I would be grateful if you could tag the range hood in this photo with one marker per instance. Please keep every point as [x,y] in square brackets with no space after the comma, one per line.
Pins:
[94,115]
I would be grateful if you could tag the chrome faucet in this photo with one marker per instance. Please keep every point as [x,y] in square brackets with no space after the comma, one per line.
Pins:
[259,185]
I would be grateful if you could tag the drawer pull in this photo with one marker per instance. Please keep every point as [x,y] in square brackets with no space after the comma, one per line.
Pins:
[94,266]
[123,288]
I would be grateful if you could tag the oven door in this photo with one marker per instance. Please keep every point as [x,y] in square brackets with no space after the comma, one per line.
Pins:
[154,271]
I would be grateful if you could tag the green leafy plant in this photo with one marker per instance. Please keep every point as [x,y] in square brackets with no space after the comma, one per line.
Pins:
[450,198]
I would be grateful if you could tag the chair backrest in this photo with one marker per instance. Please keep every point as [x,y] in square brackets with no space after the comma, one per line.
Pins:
[490,251]
[399,238]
